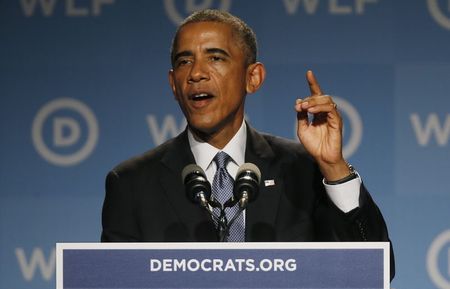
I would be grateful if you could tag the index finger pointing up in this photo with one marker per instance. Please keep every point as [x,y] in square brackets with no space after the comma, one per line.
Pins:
[313,84]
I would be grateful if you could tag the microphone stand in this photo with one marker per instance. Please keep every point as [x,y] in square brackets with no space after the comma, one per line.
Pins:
[221,220]
[228,226]
[230,203]
[223,226]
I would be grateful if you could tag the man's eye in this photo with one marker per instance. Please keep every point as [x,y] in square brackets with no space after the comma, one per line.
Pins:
[216,58]
[182,62]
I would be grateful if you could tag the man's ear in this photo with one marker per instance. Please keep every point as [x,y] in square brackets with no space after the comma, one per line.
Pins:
[172,83]
[256,73]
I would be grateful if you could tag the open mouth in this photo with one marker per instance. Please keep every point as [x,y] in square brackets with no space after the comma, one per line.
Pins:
[201,96]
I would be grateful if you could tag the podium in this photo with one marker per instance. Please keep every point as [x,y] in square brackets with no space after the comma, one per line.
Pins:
[330,265]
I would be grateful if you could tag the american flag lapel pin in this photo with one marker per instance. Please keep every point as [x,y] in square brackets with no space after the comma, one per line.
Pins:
[269,183]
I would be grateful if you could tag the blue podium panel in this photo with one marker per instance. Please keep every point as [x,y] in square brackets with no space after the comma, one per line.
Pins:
[223,265]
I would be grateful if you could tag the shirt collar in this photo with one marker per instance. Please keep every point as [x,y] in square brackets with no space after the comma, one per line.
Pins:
[204,152]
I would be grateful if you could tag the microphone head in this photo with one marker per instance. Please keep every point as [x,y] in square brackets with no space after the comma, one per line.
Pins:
[189,169]
[195,183]
[247,181]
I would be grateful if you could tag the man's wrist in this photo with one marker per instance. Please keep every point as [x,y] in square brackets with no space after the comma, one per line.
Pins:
[351,176]
[335,171]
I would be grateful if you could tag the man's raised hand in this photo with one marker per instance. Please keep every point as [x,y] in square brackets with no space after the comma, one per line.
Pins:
[321,135]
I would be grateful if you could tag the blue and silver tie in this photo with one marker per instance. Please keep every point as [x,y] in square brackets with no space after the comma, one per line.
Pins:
[222,190]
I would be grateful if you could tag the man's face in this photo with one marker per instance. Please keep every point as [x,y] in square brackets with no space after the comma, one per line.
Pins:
[209,78]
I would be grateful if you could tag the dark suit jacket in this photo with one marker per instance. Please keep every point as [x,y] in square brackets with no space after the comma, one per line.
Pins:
[146,202]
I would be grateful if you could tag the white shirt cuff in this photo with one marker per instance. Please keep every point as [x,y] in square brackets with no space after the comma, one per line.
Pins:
[345,196]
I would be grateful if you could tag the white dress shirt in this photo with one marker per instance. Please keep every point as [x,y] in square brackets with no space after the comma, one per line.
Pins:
[345,196]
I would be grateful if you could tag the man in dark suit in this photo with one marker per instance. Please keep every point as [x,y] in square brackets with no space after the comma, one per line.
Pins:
[308,192]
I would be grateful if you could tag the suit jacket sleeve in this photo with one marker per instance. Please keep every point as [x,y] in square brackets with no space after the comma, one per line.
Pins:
[306,213]
[364,223]
[118,220]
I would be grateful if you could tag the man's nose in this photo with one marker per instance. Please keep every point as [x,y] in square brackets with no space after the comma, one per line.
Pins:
[199,72]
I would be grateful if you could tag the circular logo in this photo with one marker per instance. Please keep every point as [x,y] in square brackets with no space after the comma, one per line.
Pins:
[66,131]
[356,126]
[438,14]
[191,6]
[441,242]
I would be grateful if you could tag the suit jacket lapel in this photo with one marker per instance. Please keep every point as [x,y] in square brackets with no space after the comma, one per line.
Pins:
[261,214]
[179,155]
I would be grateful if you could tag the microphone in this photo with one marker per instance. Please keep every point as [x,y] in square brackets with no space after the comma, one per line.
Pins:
[246,184]
[198,189]
[246,189]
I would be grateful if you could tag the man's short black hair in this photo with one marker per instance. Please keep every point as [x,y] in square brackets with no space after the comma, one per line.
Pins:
[244,34]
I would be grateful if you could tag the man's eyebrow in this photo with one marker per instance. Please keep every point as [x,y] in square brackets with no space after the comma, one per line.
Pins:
[218,51]
[182,54]
[208,50]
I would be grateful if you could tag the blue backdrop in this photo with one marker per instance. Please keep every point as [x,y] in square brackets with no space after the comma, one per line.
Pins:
[83,86]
